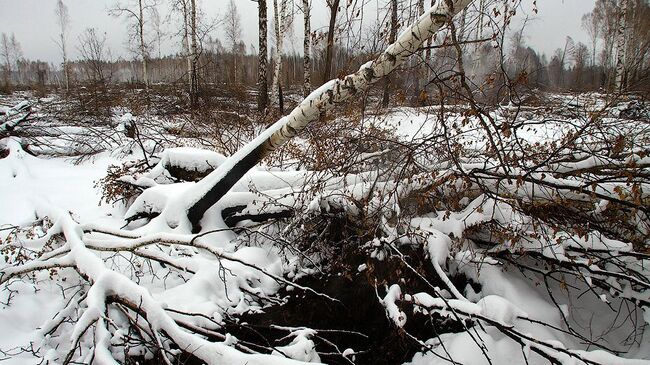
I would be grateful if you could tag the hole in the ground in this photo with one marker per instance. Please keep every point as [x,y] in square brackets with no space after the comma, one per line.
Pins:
[359,321]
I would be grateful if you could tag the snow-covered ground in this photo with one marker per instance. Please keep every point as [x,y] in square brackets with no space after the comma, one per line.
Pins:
[220,273]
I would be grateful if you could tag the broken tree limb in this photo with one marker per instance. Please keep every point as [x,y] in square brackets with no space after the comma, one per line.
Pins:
[213,187]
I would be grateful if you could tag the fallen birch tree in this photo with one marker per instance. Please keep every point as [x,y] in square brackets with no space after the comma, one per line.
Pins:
[194,203]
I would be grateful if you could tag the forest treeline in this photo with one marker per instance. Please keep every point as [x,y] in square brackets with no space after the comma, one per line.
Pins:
[617,56]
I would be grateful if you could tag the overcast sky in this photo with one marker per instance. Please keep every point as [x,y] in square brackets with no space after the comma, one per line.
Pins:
[33,23]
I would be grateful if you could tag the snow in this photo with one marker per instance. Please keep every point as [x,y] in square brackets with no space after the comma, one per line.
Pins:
[192,159]
[27,181]
[222,273]
[389,302]
[301,347]
[500,309]
[175,210]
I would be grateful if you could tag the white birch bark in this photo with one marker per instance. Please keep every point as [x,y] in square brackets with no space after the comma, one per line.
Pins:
[620,46]
[262,82]
[193,59]
[143,46]
[186,44]
[213,187]
[306,85]
[277,56]
[63,19]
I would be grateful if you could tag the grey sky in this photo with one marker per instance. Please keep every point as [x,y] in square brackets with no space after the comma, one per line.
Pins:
[34,25]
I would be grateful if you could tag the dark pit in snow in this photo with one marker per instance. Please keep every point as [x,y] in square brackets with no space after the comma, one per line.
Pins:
[358,321]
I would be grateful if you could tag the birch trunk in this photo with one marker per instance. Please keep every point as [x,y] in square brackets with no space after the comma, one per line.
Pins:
[422,62]
[143,46]
[186,45]
[63,19]
[194,79]
[213,187]
[334,9]
[620,46]
[262,80]
[427,52]
[66,72]
[277,57]
[306,86]
[391,40]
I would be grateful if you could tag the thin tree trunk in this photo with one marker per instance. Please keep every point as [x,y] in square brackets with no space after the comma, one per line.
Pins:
[262,80]
[306,85]
[334,9]
[143,47]
[66,73]
[186,46]
[620,46]
[277,57]
[427,52]
[194,79]
[205,193]
[420,71]
[391,40]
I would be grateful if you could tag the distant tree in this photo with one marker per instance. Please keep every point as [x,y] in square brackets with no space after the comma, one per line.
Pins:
[188,34]
[94,56]
[63,21]
[591,24]
[6,53]
[556,69]
[193,57]
[11,53]
[580,58]
[232,27]
[157,29]
[136,13]
[605,13]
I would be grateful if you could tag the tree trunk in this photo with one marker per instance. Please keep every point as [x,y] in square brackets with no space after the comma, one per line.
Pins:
[194,54]
[329,55]
[186,46]
[262,80]
[205,193]
[391,40]
[306,84]
[143,47]
[277,73]
[427,54]
[66,73]
[620,46]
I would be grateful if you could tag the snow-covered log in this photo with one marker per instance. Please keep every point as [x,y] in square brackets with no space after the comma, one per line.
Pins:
[208,191]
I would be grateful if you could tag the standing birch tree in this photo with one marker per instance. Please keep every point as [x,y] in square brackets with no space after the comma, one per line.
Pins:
[391,39]
[232,23]
[136,14]
[262,79]
[63,21]
[193,54]
[333,6]
[306,85]
[620,45]
[282,22]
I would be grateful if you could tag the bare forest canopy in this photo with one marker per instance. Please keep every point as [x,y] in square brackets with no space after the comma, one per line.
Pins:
[573,65]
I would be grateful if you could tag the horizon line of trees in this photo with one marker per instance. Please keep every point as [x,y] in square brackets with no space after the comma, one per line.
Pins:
[618,56]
